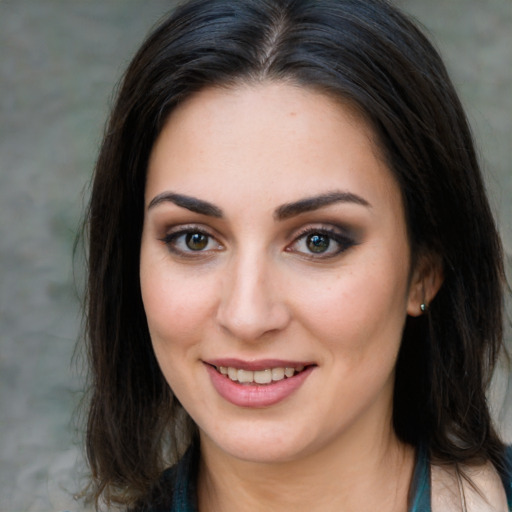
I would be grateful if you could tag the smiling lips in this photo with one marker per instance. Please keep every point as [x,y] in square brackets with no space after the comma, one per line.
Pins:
[257,385]
[265,376]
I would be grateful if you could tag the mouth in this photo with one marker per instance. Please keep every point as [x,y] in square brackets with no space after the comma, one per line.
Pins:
[257,384]
[259,377]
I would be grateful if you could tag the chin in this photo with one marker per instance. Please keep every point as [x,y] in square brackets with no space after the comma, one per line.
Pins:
[260,444]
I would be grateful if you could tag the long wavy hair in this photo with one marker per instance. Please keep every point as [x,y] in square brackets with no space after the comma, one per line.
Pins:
[367,53]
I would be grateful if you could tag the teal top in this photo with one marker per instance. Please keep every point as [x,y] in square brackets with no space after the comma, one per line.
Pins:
[182,479]
[420,491]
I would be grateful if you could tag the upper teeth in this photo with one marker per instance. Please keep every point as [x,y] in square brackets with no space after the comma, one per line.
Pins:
[260,376]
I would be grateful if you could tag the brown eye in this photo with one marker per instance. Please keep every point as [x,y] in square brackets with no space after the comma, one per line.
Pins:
[321,243]
[191,242]
[318,242]
[196,241]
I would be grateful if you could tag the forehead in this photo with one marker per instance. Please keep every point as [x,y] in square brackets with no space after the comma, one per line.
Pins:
[263,138]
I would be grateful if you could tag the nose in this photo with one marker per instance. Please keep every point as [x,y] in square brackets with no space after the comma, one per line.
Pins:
[252,303]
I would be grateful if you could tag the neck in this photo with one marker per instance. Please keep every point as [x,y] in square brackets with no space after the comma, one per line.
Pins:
[358,474]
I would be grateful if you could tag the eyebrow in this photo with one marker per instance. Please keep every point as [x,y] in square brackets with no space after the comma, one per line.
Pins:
[283,212]
[190,203]
[309,204]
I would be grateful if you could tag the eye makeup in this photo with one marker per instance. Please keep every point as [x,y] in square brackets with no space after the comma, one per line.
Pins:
[321,242]
[191,241]
[316,242]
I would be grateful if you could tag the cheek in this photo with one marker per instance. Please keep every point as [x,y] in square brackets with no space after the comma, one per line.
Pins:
[177,308]
[177,312]
[358,308]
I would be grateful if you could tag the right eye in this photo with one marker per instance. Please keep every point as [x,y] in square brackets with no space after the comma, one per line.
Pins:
[191,242]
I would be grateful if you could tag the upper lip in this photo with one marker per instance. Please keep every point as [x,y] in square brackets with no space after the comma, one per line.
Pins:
[260,364]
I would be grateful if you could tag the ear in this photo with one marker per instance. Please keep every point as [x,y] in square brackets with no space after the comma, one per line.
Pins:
[427,278]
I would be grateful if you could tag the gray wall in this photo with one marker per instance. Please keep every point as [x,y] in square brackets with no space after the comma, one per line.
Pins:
[59,61]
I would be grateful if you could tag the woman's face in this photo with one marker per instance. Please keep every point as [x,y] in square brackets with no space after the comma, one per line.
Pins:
[274,249]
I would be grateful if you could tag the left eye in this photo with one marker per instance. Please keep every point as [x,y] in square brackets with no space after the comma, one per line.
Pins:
[321,244]
[191,241]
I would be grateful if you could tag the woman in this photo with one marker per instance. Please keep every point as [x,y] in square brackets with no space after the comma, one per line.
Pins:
[295,281]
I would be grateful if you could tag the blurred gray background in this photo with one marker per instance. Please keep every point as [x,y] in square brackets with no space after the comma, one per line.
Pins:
[59,62]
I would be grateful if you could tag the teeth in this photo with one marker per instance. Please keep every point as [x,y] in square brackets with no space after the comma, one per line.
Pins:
[277,373]
[260,376]
[289,372]
[245,376]
[263,377]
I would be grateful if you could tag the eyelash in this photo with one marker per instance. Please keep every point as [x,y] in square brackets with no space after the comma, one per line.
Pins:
[343,241]
[171,240]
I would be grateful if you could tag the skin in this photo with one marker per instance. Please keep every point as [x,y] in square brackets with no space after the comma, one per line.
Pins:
[256,291]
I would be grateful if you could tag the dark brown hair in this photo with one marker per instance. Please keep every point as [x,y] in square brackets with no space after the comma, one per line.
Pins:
[362,51]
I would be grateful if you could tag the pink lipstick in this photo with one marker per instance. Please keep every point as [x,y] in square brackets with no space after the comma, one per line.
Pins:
[257,384]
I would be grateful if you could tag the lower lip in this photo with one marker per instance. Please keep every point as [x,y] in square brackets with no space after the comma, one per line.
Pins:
[256,395]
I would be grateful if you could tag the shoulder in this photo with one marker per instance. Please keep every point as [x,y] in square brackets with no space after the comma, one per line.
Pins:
[471,488]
